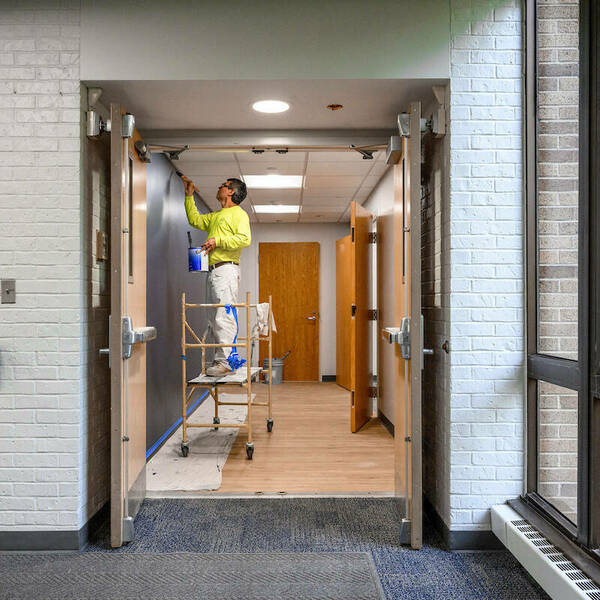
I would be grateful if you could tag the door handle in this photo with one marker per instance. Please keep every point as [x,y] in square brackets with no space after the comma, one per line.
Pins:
[132,336]
[313,317]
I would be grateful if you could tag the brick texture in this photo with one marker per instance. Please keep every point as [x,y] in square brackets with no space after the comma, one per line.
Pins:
[558,126]
[486,372]
[44,422]
[435,280]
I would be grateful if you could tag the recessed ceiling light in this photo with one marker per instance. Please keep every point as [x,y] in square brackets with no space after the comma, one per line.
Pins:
[276,208]
[271,106]
[273,181]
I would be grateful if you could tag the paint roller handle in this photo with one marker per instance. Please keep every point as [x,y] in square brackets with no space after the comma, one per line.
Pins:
[190,239]
[286,355]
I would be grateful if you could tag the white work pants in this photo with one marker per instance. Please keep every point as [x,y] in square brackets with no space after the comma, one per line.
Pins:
[223,288]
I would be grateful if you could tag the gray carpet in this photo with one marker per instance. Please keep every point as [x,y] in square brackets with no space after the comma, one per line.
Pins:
[308,525]
[187,576]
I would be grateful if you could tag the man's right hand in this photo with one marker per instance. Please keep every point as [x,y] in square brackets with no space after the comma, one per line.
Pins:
[189,185]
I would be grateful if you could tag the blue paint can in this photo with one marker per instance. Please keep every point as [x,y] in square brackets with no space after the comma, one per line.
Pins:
[198,259]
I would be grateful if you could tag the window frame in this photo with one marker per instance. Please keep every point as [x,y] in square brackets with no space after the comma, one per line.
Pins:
[571,374]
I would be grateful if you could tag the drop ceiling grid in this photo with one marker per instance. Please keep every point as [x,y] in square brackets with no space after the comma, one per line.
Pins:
[331,180]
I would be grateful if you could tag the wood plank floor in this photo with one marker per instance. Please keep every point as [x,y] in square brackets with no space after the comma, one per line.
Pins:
[311,448]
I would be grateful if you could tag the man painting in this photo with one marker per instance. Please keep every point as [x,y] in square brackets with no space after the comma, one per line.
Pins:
[228,232]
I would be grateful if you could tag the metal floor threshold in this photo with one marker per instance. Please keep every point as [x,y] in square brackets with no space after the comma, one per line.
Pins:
[203,494]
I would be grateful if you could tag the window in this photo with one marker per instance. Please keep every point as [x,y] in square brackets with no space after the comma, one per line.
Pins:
[563,268]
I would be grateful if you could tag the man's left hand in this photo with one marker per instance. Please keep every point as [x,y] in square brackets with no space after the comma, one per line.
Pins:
[209,245]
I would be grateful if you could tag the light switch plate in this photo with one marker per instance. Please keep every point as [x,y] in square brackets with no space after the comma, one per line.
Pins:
[8,291]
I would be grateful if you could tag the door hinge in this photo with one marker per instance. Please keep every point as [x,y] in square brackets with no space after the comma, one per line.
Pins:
[352,234]
[353,310]
[372,237]
[407,438]
[372,391]
[127,125]
[352,398]
[372,314]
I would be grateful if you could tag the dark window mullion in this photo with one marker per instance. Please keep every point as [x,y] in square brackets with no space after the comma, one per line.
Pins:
[559,371]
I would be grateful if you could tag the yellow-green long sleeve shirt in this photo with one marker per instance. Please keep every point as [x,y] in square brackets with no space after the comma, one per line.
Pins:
[229,226]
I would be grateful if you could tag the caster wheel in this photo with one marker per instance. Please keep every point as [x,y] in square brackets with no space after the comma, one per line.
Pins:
[216,421]
[185,450]
[249,450]
[269,425]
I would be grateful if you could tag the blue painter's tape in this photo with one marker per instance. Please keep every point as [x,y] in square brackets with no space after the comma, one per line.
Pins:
[165,436]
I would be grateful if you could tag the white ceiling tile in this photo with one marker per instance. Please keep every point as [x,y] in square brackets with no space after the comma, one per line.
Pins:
[337,168]
[275,196]
[268,218]
[279,168]
[324,201]
[340,181]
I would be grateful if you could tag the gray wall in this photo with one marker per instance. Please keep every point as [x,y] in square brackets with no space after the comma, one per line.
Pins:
[168,277]
[192,39]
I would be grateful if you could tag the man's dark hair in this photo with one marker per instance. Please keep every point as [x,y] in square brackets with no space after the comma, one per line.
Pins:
[239,189]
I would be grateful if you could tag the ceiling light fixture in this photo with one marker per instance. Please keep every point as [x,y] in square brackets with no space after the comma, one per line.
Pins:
[271,106]
[274,181]
[276,208]
[335,106]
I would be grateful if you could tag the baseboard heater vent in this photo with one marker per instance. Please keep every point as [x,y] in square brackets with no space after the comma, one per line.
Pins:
[555,573]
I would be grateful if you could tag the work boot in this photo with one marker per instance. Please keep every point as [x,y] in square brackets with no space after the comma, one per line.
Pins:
[218,370]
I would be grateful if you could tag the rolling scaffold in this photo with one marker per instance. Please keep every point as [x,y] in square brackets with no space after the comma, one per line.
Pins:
[242,377]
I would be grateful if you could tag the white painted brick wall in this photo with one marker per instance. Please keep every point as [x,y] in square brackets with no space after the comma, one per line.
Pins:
[40,246]
[486,256]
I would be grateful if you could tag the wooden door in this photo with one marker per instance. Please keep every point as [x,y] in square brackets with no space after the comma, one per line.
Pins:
[360,337]
[399,297]
[289,272]
[343,303]
[128,300]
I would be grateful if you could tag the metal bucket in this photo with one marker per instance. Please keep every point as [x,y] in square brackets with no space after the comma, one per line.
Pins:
[198,259]
[277,370]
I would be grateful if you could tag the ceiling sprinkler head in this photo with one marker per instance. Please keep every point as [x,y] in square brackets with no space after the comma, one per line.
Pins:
[335,106]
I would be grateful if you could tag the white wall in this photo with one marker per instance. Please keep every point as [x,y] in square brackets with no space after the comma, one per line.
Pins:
[486,255]
[191,39]
[43,245]
[326,234]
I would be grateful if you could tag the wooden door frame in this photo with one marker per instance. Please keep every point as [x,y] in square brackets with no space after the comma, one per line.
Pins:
[117,448]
